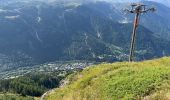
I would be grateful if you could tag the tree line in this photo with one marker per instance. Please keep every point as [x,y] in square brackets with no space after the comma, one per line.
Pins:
[32,84]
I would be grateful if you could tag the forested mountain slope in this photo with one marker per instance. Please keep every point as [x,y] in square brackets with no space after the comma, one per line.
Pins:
[39,32]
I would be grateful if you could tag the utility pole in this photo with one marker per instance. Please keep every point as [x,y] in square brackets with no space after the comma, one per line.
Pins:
[137,9]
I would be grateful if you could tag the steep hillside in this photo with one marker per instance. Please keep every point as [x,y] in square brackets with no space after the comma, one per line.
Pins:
[38,32]
[158,22]
[149,80]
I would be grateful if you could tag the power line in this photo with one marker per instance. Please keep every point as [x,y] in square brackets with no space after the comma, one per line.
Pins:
[137,9]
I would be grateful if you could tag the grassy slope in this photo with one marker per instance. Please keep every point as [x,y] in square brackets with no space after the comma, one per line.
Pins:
[149,80]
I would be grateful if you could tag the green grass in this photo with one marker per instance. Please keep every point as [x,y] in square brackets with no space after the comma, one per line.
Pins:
[8,96]
[128,81]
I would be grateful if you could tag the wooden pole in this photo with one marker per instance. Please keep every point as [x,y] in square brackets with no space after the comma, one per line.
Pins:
[132,49]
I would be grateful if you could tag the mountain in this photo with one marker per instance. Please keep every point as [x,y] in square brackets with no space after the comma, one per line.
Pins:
[165,2]
[147,80]
[158,22]
[39,32]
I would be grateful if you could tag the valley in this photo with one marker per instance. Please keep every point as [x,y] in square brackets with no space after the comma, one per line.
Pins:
[78,49]
[45,68]
[38,32]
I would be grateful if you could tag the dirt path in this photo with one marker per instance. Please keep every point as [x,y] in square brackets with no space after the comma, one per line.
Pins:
[63,83]
[46,94]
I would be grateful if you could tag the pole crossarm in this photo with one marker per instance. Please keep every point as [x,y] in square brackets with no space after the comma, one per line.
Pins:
[139,8]
[136,8]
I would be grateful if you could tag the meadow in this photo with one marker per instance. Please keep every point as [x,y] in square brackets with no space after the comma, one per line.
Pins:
[147,80]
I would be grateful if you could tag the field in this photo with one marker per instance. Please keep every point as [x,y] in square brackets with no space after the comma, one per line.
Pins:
[148,80]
